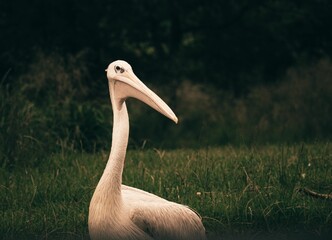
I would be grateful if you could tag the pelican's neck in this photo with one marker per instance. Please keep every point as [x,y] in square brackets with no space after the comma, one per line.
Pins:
[111,180]
[120,135]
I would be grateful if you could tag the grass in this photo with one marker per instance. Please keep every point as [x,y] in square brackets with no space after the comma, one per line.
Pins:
[236,190]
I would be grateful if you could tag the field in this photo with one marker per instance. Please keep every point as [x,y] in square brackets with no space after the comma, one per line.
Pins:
[244,191]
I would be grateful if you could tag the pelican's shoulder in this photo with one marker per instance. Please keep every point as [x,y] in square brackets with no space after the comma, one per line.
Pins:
[136,195]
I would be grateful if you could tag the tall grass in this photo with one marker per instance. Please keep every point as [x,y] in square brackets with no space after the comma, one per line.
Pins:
[20,121]
[237,190]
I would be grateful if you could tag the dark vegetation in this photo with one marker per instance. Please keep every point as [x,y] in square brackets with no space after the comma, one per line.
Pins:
[233,71]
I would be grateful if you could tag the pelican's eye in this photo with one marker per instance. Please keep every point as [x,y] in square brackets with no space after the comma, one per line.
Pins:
[118,69]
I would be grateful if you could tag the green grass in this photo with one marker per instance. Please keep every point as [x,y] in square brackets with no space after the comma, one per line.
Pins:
[236,190]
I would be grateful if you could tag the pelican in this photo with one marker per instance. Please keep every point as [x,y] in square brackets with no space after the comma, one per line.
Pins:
[118,211]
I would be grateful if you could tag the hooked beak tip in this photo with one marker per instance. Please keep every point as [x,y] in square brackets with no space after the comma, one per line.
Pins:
[176,120]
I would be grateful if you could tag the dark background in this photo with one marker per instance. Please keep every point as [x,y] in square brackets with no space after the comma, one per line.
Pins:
[235,72]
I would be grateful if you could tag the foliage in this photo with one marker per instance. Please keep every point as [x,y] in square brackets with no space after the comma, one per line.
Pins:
[230,44]
[237,190]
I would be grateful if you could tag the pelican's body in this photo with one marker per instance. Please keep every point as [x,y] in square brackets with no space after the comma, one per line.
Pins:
[122,212]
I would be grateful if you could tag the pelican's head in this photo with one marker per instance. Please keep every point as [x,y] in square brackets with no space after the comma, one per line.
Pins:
[124,83]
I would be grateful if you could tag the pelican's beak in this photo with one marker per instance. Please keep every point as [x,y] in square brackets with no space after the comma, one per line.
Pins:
[133,87]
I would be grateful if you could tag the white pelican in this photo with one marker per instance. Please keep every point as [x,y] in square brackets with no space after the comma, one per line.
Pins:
[121,212]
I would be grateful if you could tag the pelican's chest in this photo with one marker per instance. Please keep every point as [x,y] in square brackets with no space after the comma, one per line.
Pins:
[111,221]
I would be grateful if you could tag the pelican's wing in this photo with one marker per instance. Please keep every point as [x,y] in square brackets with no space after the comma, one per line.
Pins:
[162,219]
